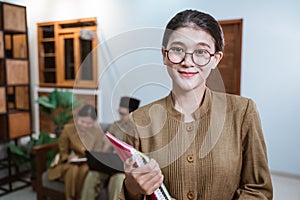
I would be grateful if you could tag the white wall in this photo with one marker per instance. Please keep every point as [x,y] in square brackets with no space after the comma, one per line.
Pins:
[270,56]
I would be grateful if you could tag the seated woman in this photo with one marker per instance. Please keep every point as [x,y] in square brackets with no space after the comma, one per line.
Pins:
[74,141]
[96,180]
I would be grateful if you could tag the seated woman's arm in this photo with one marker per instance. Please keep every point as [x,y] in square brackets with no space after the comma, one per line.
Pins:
[64,146]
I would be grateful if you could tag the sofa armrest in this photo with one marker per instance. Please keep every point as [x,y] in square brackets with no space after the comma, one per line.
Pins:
[40,158]
[45,147]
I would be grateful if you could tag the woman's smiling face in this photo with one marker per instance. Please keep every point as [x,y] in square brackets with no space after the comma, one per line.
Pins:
[187,75]
[84,123]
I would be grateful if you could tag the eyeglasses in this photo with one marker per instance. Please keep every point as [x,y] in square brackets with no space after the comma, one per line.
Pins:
[200,57]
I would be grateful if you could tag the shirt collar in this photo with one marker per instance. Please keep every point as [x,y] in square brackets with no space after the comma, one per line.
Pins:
[197,114]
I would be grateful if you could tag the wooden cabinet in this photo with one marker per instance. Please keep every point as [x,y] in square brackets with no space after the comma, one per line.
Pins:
[14,18]
[15,108]
[228,73]
[65,57]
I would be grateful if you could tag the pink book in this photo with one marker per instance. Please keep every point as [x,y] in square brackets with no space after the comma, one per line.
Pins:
[125,151]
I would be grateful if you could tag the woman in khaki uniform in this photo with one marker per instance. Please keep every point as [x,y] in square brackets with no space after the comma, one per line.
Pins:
[75,140]
[95,180]
[205,145]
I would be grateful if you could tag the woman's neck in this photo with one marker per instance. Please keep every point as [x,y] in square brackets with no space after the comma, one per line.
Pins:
[187,102]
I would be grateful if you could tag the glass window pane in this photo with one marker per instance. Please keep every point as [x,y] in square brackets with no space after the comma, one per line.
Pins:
[86,67]
[69,59]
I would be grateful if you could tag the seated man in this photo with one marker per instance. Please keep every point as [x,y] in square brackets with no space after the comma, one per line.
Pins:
[95,180]
[127,105]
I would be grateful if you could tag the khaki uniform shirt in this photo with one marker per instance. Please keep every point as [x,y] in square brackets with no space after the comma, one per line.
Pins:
[118,130]
[221,155]
[72,140]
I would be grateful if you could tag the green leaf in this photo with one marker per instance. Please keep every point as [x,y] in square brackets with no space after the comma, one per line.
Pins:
[53,98]
[66,99]
[18,154]
[63,117]
[18,150]
[19,160]
[44,138]
[59,106]
[45,102]
[32,143]
[21,155]
[77,102]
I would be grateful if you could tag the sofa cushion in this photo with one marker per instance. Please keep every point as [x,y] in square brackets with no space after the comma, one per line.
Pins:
[55,185]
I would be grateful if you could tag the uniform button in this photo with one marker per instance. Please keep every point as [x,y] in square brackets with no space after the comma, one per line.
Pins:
[190,158]
[190,195]
[189,128]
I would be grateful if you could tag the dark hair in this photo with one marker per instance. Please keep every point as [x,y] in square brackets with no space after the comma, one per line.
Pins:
[129,102]
[202,20]
[88,111]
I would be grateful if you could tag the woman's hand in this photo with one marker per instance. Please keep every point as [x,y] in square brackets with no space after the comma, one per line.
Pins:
[142,180]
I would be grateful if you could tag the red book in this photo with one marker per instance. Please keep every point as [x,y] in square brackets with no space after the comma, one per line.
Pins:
[125,151]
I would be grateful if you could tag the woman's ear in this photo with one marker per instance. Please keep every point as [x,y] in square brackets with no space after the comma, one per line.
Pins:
[163,52]
[217,58]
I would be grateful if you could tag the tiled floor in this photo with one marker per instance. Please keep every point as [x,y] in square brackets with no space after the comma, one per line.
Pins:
[24,194]
[284,189]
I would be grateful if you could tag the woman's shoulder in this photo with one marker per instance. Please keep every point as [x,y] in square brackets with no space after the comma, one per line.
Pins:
[234,102]
[69,129]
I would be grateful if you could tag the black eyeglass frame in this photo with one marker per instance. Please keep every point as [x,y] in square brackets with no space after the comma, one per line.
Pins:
[210,55]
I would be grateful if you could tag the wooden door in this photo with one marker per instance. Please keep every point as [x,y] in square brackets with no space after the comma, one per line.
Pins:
[228,73]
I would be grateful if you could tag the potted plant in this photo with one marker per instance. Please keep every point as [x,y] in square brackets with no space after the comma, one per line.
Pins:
[21,155]
[58,106]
